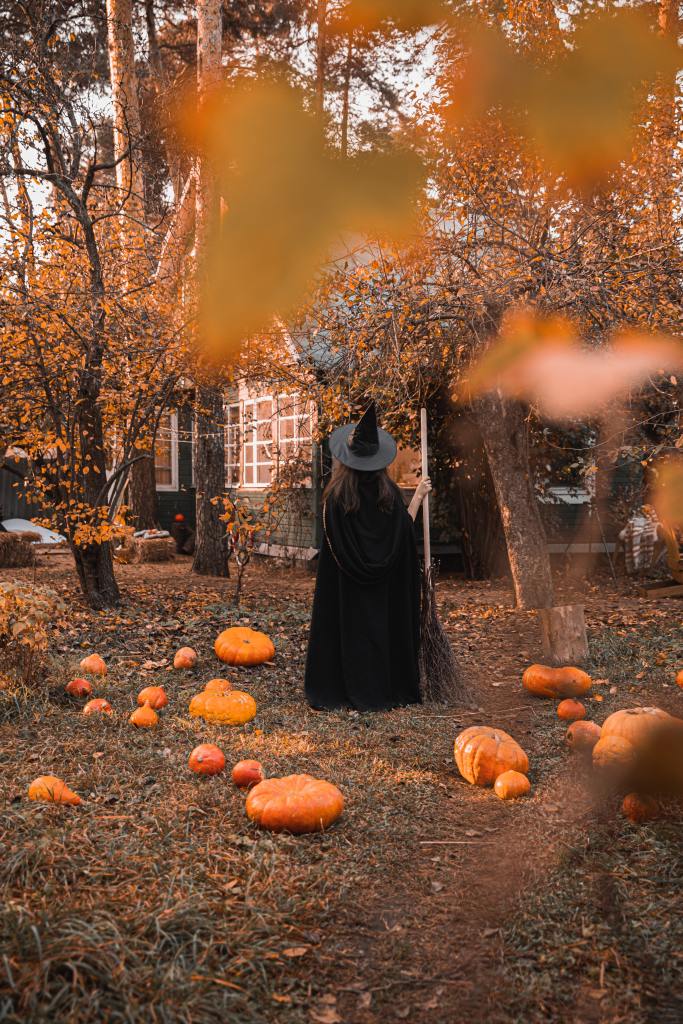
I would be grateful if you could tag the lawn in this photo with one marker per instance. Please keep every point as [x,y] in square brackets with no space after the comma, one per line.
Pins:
[430,900]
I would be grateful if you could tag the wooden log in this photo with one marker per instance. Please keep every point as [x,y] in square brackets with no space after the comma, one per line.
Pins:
[564,635]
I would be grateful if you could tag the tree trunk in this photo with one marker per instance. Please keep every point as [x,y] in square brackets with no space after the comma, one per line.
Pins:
[321,56]
[346,96]
[154,53]
[210,557]
[564,635]
[144,501]
[95,568]
[502,427]
[127,128]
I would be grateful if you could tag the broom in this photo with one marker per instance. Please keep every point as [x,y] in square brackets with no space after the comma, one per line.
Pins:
[441,681]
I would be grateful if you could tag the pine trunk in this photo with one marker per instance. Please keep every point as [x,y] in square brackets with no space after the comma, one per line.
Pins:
[502,427]
[321,56]
[144,502]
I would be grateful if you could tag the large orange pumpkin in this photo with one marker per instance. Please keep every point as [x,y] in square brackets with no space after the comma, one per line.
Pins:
[196,706]
[634,724]
[186,657]
[51,789]
[543,681]
[206,759]
[98,706]
[221,686]
[144,717]
[233,708]
[613,751]
[240,645]
[582,736]
[155,696]
[93,665]
[482,754]
[511,785]
[296,803]
[78,688]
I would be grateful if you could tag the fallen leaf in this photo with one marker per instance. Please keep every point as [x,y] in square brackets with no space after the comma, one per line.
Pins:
[295,951]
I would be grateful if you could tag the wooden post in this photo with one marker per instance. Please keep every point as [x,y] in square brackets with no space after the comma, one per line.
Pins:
[425,503]
[564,635]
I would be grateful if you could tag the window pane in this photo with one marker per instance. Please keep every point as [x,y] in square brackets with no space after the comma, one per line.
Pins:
[264,474]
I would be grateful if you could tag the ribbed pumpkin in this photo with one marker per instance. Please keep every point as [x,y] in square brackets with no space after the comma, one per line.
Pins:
[196,707]
[639,808]
[240,645]
[234,708]
[571,710]
[511,785]
[155,696]
[98,706]
[612,751]
[78,688]
[221,686]
[582,736]
[51,789]
[482,754]
[295,803]
[144,717]
[206,759]
[543,681]
[186,657]
[93,665]
[246,774]
[634,724]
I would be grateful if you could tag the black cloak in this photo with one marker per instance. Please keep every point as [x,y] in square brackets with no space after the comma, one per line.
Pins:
[365,627]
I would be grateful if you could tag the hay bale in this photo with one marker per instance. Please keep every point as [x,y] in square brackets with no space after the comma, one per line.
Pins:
[29,535]
[156,549]
[15,552]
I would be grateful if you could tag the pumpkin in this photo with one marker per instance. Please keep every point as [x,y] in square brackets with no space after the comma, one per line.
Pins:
[98,706]
[511,785]
[482,754]
[196,706]
[543,681]
[634,724]
[233,708]
[78,688]
[582,736]
[93,665]
[221,686]
[679,679]
[186,657]
[295,803]
[144,717]
[640,808]
[612,751]
[246,774]
[571,710]
[50,789]
[240,645]
[206,759]
[155,696]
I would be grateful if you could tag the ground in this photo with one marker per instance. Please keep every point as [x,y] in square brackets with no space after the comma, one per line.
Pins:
[430,900]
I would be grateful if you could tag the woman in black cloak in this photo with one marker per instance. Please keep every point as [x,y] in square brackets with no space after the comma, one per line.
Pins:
[365,628]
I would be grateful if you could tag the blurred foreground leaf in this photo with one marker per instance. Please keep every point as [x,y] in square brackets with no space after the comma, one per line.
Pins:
[408,15]
[288,203]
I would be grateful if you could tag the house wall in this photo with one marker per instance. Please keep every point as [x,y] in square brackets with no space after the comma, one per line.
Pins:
[12,504]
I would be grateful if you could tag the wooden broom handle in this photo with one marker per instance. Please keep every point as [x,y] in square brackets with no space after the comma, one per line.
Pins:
[425,503]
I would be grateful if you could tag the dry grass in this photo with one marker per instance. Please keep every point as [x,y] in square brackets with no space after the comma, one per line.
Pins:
[157,900]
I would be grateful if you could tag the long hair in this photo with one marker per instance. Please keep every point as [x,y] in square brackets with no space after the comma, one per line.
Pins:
[342,487]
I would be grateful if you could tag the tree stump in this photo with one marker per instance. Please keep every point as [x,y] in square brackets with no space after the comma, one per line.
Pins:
[564,635]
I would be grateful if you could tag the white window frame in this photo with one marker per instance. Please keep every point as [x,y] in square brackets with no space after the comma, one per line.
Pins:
[253,442]
[173,427]
[296,442]
[239,445]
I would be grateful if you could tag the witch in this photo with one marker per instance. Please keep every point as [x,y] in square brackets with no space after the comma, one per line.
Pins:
[365,627]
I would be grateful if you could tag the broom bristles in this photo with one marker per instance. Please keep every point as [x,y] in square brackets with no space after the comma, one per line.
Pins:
[441,680]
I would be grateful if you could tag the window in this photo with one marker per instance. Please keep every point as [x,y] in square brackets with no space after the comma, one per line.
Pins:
[294,427]
[258,442]
[166,453]
[232,445]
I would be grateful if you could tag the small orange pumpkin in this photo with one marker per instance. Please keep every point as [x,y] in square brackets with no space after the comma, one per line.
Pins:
[233,708]
[144,717]
[240,645]
[155,696]
[482,754]
[219,686]
[679,679]
[295,803]
[582,736]
[571,710]
[51,789]
[186,657]
[543,681]
[639,808]
[246,774]
[511,784]
[93,665]
[78,688]
[206,759]
[98,706]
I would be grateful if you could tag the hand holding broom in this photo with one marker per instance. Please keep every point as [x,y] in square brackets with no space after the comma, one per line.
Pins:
[440,678]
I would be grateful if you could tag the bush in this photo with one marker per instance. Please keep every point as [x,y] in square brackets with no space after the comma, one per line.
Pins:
[27,616]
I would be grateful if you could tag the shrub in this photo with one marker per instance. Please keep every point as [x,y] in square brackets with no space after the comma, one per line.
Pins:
[27,616]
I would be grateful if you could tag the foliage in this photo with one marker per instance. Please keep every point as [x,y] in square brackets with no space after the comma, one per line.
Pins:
[27,620]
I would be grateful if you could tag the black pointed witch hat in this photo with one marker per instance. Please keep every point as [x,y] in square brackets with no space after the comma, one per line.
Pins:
[363,445]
